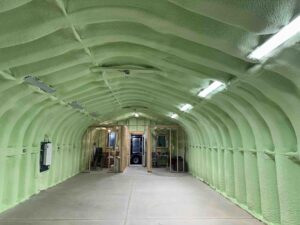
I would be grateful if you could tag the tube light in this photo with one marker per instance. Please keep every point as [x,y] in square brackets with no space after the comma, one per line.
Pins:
[100,128]
[173,115]
[34,81]
[276,40]
[185,107]
[76,105]
[212,87]
[94,114]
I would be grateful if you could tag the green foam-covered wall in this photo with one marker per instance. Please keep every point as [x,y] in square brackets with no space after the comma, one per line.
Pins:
[243,141]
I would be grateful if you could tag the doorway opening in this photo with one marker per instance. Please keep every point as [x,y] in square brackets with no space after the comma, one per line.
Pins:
[136,149]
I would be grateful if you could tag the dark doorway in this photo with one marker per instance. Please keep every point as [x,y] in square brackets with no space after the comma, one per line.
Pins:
[136,149]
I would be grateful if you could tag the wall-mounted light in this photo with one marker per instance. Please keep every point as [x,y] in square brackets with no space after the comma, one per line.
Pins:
[173,115]
[185,107]
[212,87]
[276,40]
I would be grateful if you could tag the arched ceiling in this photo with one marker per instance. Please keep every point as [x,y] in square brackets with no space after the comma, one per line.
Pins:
[186,44]
[114,57]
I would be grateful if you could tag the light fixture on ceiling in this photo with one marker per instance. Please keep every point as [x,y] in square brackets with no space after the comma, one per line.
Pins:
[212,87]
[135,107]
[94,114]
[185,107]
[136,114]
[126,70]
[100,128]
[276,40]
[36,82]
[76,105]
[173,115]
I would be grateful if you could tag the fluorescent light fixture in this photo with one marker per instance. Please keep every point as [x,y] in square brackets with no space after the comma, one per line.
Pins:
[76,105]
[276,40]
[36,82]
[212,87]
[94,114]
[173,115]
[100,128]
[185,107]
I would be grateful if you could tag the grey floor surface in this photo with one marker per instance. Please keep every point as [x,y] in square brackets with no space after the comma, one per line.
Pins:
[132,198]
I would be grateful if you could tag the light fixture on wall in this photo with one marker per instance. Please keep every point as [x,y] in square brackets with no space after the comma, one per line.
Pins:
[185,107]
[211,88]
[276,40]
[173,115]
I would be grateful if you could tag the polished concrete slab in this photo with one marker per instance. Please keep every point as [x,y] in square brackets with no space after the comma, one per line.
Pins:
[132,198]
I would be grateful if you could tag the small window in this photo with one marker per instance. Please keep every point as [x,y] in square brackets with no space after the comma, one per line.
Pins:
[111,139]
[161,141]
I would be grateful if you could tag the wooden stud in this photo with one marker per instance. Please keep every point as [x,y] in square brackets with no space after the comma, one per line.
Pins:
[149,151]
[170,149]
[177,150]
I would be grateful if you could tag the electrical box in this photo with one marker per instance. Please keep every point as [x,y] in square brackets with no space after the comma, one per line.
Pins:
[45,156]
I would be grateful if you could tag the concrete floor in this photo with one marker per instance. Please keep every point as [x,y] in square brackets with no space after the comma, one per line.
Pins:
[132,198]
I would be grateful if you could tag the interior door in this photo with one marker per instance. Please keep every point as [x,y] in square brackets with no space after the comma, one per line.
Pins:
[137,147]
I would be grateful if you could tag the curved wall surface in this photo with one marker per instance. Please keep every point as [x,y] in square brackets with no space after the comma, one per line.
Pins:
[243,141]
